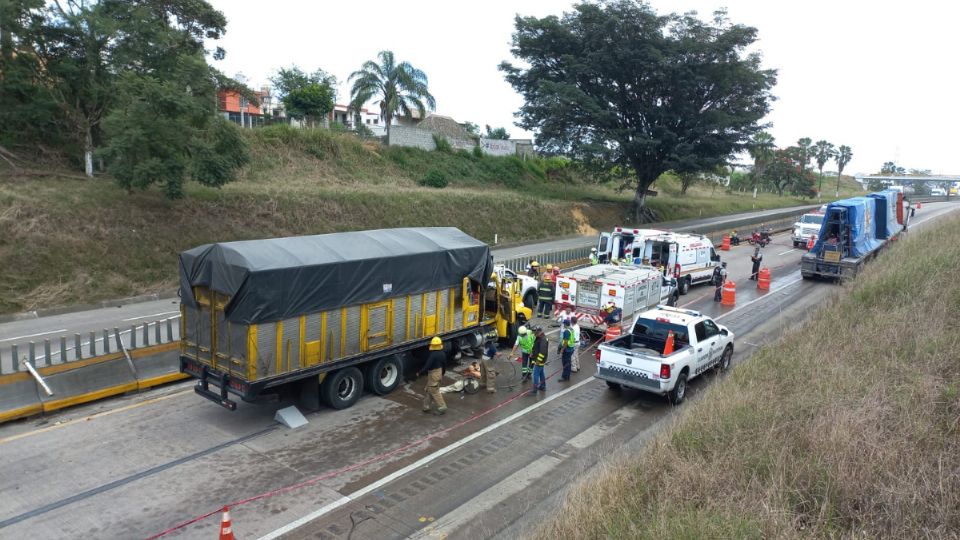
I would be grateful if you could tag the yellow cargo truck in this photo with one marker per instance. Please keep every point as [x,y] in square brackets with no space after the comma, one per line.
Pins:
[334,314]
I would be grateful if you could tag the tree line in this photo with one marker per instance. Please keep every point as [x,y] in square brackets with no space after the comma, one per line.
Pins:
[787,170]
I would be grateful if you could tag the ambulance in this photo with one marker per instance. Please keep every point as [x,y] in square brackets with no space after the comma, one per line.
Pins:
[688,258]
[623,244]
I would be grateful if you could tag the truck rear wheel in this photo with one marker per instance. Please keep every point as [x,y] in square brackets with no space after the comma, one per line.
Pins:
[384,375]
[342,388]
[530,300]
[685,285]
[679,389]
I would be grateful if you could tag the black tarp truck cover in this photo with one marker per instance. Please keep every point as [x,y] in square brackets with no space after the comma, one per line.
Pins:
[279,278]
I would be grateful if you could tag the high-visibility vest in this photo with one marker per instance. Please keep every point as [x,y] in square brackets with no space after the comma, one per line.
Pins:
[594,259]
[526,342]
[570,341]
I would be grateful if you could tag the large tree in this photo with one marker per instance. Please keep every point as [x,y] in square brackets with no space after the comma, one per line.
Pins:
[400,87]
[625,89]
[843,157]
[805,151]
[309,96]
[823,152]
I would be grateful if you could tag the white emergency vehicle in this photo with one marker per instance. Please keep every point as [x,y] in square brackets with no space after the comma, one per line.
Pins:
[689,258]
[586,291]
[623,244]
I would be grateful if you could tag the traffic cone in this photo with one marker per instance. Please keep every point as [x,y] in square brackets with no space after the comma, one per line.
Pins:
[226,529]
[919,206]
[810,243]
[668,347]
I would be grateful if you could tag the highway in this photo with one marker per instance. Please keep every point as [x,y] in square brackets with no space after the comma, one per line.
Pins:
[123,316]
[166,460]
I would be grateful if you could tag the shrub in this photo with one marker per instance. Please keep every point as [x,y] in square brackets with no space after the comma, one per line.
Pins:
[435,178]
[443,145]
[477,151]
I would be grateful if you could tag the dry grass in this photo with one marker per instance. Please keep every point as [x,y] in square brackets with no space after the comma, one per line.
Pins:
[846,429]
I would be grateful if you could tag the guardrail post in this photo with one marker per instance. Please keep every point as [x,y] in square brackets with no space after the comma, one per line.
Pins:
[31,350]
[169,330]
[133,337]
[106,341]
[156,333]
[146,334]
[93,344]
[14,356]
[46,351]
[77,349]
[63,349]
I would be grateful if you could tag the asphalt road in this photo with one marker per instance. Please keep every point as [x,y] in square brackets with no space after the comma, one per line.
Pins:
[140,465]
[124,316]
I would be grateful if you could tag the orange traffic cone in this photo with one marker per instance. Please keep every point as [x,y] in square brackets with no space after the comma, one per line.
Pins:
[810,243]
[668,347]
[226,529]
[919,206]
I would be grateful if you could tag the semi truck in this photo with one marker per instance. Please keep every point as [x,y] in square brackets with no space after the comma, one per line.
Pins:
[586,291]
[325,317]
[808,225]
[854,231]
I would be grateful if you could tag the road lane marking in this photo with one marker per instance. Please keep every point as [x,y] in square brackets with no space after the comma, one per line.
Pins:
[755,300]
[320,512]
[787,251]
[148,316]
[34,335]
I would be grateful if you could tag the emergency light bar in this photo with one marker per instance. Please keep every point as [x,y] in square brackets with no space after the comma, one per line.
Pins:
[678,310]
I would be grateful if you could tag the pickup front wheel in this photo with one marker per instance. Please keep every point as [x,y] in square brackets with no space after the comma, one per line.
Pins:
[679,390]
[726,358]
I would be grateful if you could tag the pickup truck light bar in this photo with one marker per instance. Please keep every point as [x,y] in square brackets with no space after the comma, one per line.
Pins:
[680,310]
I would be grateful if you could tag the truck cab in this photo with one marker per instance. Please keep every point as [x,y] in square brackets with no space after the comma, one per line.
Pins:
[526,284]
[643,359]
[808,225]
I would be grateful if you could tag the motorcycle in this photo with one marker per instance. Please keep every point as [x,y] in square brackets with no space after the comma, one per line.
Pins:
[760,238]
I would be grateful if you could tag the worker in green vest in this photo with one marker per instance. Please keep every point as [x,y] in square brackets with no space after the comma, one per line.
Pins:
[594,258]
[525,340]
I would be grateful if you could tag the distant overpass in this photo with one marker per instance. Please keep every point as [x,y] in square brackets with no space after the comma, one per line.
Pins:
[899,179]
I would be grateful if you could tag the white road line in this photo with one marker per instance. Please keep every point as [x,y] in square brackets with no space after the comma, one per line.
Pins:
[755,300]
[787,251]
[148,316]
[34,335]
[413,466]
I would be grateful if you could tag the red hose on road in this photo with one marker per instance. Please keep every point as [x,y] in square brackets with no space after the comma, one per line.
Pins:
[337,472]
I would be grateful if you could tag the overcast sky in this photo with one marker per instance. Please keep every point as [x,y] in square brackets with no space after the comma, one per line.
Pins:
[879,76]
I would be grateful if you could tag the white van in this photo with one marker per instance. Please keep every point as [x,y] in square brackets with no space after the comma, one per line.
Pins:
[690,258]
[623,244]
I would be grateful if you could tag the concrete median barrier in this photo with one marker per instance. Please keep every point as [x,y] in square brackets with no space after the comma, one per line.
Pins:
[87,380]
[18,397]
[159,367]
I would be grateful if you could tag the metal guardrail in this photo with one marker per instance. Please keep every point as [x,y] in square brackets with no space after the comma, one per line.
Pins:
[52,352]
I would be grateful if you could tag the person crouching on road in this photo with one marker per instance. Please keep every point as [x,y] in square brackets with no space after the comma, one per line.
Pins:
[541,348]
[734,238]
[757,257]
[719,278]
[525,339]
[488,372]
[565,350]
[575,326]
[612,314]
[434,369]
[545,293]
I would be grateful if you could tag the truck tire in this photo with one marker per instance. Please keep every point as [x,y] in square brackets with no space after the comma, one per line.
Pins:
[530,300]
[679,389]
[685,285]
[613,385]
[342,388]
[384,375]
[726,358]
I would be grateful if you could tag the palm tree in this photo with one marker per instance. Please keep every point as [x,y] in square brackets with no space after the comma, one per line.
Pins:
[843,156]
[761,150]
[401,88]
[805,146]
[822,151]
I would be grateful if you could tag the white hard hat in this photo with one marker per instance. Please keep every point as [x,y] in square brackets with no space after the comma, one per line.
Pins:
[522,330]
[593,250]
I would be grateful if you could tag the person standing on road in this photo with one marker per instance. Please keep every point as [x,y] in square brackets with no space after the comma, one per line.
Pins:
[594,258]
[719,278]
[541,348]
[525,339]
[545,293]
[565,350]
[488,372]
[533,270]
[575,326]
[757,257]
[434,369]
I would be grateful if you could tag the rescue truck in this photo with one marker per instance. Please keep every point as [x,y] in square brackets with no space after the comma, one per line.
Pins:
[688,258]
[325,317]
[854,231]
[643,358]
[586,291]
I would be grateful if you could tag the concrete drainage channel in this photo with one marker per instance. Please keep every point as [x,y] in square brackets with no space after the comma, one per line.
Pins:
[36,378]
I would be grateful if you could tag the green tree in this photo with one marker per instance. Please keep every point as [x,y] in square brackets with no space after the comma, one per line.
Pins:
[805,151]
[400,87]
[892,168]
[496,133]
[668,92]
[308,96]
[761,149]
[843,157]
[876,184]
[823,152]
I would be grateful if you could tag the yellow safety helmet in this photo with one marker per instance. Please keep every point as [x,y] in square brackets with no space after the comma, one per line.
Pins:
[535,264]
[493,275]
[436,344]
[549,267]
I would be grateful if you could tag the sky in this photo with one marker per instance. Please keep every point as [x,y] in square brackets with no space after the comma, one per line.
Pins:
[874,75]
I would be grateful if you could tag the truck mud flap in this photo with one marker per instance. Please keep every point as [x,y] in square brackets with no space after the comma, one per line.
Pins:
[220,380]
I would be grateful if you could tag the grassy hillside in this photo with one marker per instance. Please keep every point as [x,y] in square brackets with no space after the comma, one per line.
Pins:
[66,240]
[849,428]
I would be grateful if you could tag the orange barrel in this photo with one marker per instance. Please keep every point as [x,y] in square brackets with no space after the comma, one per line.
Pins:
[728,296]
[725,246]
[611,333]
[919,206]
[763,279]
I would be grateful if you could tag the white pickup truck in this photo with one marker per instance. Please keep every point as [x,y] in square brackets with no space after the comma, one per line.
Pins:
[636,360]
[528,285]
